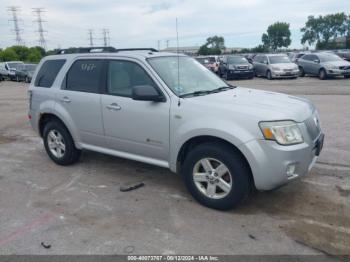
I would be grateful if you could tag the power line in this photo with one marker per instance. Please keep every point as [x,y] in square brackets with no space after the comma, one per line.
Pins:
[105,34]
[41,31]
[13,10]
[91,38]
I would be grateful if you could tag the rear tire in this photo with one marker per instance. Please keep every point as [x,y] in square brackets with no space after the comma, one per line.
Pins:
[231,182]
[347,76]
[301,72]
[322,74]
[59,144]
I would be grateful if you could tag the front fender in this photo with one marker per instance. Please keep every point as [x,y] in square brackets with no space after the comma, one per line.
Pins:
[226,130]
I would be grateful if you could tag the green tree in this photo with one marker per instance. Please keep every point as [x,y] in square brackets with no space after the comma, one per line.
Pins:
[277,36]
[322,30]
[8,55]
[34,56]
[213,46]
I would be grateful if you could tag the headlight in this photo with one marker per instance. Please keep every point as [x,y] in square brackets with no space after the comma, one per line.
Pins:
[276,68]
[250,66]
[283,132]
[331,67]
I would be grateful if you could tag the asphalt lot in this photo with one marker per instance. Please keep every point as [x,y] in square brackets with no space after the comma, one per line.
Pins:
[80,209]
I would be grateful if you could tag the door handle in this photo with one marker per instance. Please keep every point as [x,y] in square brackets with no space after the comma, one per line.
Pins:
[114,107]
[65,99]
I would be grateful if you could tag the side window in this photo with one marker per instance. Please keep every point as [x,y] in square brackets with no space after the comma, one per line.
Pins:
[48,72]
[264,59]
[85,76]
[123,75]
[307,57]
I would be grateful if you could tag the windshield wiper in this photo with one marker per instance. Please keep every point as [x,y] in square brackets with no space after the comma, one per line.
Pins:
[196,93]
[223,88]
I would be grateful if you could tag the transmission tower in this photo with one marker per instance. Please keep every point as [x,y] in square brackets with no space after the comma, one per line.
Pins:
[105,34]
[13,10]
[91,39]
[39,21]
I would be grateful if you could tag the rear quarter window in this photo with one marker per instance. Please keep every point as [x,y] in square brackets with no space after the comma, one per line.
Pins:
[48,72]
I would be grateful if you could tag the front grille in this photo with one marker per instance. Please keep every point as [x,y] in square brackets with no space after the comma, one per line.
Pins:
[344,67]
[242,67]
[313,126]
[288,70]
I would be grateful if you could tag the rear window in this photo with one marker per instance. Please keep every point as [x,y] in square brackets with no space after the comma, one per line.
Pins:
[48,72]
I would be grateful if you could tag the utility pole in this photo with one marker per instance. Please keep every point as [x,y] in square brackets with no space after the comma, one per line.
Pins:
[91,39]
[41,31]
[13,10]
[105,34]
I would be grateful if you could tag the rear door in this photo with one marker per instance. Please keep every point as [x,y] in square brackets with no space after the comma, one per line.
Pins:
[137,127]
[81,99]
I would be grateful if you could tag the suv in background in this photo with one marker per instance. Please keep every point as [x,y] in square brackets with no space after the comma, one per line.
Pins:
[232,67]
[324,65]
[275,66]
[343,53]
[210,62]
[164,109]
[8,69]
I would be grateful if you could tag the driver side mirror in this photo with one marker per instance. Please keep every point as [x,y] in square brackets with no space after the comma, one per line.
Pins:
[146,93]
[317,61]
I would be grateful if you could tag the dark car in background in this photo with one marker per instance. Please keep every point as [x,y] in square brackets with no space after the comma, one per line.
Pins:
[25,72]
[323,65]
[233,67]
[343,53]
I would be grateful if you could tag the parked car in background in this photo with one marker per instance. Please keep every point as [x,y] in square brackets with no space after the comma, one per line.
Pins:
[323,65]
[8,69]
[343,53]
[234,66]
[250,57]
[25,72]
[295,56]
[275,66]
[210,62]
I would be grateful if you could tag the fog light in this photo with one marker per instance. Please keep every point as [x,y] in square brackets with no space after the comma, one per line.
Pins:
[290,170]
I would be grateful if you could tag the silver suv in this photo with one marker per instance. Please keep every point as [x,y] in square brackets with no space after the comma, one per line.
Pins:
[168,110]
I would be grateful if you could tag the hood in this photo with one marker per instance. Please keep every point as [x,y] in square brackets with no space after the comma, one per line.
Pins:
[285,65]
[337,63]
[258,104]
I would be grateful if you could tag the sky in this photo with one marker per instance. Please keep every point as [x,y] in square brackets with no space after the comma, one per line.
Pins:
[142,23]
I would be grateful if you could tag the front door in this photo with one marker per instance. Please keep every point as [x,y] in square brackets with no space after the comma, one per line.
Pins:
[137,127]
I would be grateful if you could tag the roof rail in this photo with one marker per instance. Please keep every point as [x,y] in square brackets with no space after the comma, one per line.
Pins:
[103,49]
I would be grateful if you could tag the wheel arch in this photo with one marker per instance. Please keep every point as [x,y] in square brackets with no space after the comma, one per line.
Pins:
[197,140]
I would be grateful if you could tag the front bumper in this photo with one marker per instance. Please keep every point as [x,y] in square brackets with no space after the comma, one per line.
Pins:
[240,73]
[338,72]
[285,74]
[271,163]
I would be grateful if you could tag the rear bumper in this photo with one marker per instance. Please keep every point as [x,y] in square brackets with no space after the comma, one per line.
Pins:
[272,163]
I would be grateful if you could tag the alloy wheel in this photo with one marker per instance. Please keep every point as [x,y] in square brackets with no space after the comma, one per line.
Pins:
[56,143]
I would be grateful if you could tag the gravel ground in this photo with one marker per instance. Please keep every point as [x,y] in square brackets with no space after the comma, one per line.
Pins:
[80,209]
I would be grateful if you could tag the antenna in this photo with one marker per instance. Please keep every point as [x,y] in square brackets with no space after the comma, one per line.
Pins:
[16,29]
[178,61]
[37,12]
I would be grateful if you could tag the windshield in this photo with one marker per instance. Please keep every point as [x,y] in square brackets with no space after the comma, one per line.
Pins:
[30,68]
[191,76]
[279,59]
[236,60]
[15,65]
[329,58]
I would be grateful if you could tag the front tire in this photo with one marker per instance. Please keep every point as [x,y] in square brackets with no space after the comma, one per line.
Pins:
[347,76]
[301,72]
[59,144]
[216,175]
[322,74]
[268,75]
